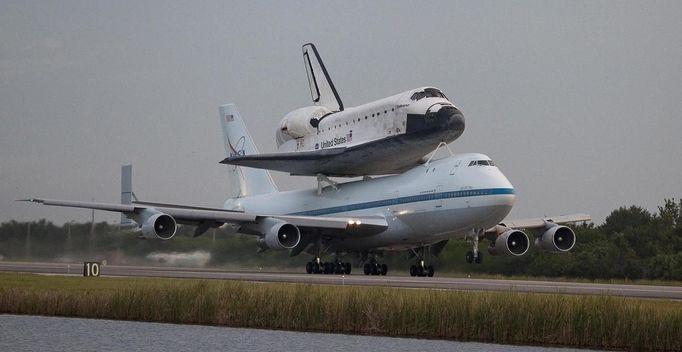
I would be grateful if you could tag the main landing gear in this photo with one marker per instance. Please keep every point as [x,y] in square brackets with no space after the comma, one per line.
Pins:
[474,256]
[420,268]
[336,267]
[373,267]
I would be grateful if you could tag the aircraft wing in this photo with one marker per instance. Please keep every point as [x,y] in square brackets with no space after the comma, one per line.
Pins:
[329,226]
[542,222]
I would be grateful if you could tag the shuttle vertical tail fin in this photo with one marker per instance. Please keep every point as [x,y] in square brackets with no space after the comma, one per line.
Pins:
[244,181]
[322,88]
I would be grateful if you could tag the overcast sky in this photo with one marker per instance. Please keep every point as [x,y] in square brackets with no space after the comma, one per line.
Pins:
[578,103]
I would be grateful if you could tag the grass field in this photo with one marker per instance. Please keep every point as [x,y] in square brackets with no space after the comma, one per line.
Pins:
[475,275]
[506,317]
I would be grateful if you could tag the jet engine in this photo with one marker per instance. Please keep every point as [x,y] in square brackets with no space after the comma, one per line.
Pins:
[510,243]
[159,226]
[300,122]
[556,239]
[279,235]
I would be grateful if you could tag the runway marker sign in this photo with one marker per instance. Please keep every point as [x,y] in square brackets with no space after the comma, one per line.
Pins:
[91,269]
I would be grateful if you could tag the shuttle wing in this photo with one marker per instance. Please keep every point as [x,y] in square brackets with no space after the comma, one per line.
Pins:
[191,215]
[298,163]
[322,89]
[357,160]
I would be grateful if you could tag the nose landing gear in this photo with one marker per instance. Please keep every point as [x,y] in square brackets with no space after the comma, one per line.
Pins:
[474,256]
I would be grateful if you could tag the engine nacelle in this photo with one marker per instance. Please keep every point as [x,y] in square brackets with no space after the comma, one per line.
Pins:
[159,226]
[510,243]
[556,239]
[298,123]
[279,235]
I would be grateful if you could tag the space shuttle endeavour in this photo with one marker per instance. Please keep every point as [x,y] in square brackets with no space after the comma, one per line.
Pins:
[386,136]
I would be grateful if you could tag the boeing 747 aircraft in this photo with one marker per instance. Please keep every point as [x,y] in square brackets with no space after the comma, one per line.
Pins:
[327,139]
[457,197]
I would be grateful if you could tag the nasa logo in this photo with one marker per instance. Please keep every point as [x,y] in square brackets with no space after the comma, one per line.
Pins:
[240,144]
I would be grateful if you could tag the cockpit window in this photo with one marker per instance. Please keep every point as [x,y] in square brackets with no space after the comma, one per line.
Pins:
[428,93]
[482,163]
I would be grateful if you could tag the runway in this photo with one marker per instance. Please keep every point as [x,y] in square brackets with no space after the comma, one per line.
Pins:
[445,283]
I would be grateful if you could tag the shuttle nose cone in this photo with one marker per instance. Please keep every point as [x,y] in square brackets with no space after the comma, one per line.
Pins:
[443,122]
[449,118]
[454,117]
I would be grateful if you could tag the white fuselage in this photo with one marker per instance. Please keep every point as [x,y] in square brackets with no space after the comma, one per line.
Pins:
[429,203]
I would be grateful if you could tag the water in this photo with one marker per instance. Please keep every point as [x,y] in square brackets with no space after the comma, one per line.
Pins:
[36,333]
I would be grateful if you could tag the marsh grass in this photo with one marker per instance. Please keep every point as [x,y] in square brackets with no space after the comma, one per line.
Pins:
[499,317]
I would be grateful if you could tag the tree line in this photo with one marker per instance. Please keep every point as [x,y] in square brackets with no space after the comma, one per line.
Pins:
[632,243]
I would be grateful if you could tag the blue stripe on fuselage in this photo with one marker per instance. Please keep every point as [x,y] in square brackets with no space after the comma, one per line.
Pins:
[405,200]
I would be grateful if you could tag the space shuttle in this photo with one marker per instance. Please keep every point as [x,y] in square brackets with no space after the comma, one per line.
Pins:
[386,136]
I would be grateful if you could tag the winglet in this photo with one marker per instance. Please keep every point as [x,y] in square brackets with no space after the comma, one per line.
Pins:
[127,194]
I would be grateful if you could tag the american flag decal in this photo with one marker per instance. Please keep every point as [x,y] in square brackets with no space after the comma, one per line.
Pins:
[229,118]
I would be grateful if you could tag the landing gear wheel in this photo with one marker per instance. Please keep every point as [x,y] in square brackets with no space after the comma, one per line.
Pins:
[479,258]
[347,268]
[429,271]
[470,257]
[420,270]
[367,269]
[309,267]
[413,270]
[316,268]
[384,269]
